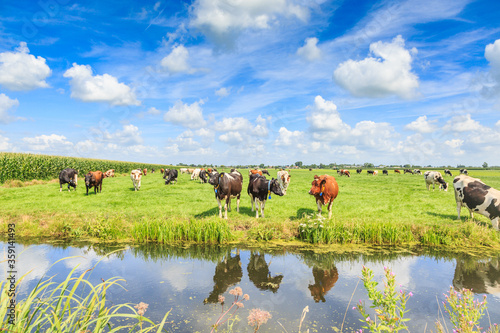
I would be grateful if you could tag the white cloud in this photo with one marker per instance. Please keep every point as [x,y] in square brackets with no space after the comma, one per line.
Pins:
[177,61]
[288,138]
[4,143]
[44,143]
[454,143]
[128,136]
[492,54]
[223,20]
[462,123]
[190,116]
[223,92]
[233,124]
[310,51]
[325,117]
[99,88]
[422,125]
[23,71]
[387,74]
[231,138]
[5,105]
[153,111]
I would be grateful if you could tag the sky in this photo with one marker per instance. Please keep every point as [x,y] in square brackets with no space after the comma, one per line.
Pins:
[253,81]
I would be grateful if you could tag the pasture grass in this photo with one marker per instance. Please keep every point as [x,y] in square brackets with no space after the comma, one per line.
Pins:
[374,210]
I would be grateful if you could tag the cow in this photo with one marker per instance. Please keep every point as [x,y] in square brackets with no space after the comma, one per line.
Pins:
[265,172]
[227,186]
[254,172]
[162,171]
[310,169]
[448,172]
[417,172]
[477,197]
[136,176]
[433,177]
[152,170]
[170,176]
[195,174]
[145,171]
[190,171]
[259,188]
[68,176]
[464,171]
[324,189]
[109,173]
[371,172]
[183,170]
[203,176]
[385,172]
[344,172]
[94,179]
[397,171]
[283,180]
[358,171]
[324,280]
[408,171]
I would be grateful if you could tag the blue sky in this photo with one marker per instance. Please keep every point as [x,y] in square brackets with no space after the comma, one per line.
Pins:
[252,81]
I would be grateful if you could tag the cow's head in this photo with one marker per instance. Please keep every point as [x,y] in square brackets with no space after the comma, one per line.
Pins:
[213,178]
[318,185]
[136,175]
[88,178]
[275,187]
[443,186]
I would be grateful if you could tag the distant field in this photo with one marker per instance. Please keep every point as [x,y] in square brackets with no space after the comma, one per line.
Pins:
[388,203]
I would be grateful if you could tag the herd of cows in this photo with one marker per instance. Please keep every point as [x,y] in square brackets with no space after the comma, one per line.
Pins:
[470,192]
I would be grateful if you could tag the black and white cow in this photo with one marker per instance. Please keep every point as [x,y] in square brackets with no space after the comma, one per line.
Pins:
[258,190]
[464,171]
[477,197]
[408,171]
[448,172]
[385,172]
[417,172]
[170,176]
[68,176]
[203,176]
[433,177]
[227,186]
[358,171]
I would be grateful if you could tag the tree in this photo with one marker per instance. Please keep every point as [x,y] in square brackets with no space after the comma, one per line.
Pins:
[299,164]
[262,165]
[485,165]
[368,165]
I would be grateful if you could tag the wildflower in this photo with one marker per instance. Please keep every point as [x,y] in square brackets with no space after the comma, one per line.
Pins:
[258,317]
[368,319]
[239,305]
[410,294]
[354,308]
[239,291]
[246,297]
[141,308]
[221,299]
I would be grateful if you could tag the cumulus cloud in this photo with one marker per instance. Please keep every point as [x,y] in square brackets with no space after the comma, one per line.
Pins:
[288,138]
[387,73]
[325,117]
[222,92]
[462,123]
[5,105]
[422,125]
[310,51]
[223,20]
[128,136]
[4,143]
[233,124]
[177,61]
[492,54]
[23,71]
[45,143]
[99,88]
[190,116]
[231,138]
[153,111]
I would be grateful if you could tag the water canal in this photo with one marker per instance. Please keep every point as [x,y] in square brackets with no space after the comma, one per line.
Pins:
[189,280]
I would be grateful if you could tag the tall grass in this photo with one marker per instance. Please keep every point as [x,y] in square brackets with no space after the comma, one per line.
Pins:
[74,305]
[26,167]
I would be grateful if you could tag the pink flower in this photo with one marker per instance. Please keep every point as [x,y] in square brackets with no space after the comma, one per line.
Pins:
[258,317]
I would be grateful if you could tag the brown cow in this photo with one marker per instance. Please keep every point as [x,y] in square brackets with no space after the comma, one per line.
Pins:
[254,172]
[109,173]
[94,179]
[325,189]
[162,171]
[144,172]
[397,171]
[324,280]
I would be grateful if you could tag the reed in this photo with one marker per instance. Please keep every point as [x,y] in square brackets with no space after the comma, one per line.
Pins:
[73,305]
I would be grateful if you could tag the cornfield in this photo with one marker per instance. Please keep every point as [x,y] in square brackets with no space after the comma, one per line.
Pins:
[26,167]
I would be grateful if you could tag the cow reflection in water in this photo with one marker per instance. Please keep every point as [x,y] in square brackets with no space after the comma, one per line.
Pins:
[483,277]
[324,280]
[260,275]
[228,272]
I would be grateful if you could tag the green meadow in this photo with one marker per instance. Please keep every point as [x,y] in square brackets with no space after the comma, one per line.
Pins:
[372,210]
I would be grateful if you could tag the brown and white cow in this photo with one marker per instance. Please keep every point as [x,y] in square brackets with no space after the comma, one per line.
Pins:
[477,197]
[183,170]
[283,180]
[433,177]
[227,186]
[195,175]
[254,172]
[136,176]
[109,173]
[344,172]
[94,179]
[145,171]
[324,189]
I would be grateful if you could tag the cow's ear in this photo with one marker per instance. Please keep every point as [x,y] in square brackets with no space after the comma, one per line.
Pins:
[316,177]
[323,182]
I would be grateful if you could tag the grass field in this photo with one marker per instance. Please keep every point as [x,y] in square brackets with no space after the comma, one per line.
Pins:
[395,209]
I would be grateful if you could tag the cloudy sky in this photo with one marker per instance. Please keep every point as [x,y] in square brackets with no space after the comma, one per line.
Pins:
[253,81]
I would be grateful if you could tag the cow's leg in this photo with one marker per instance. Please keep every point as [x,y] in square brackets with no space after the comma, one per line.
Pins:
[262,206]
[318,202]
[220,208]
[252,200]
[330,209]
[428,187]
[238,203]
[494,222]
[459,208]
[228,201]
